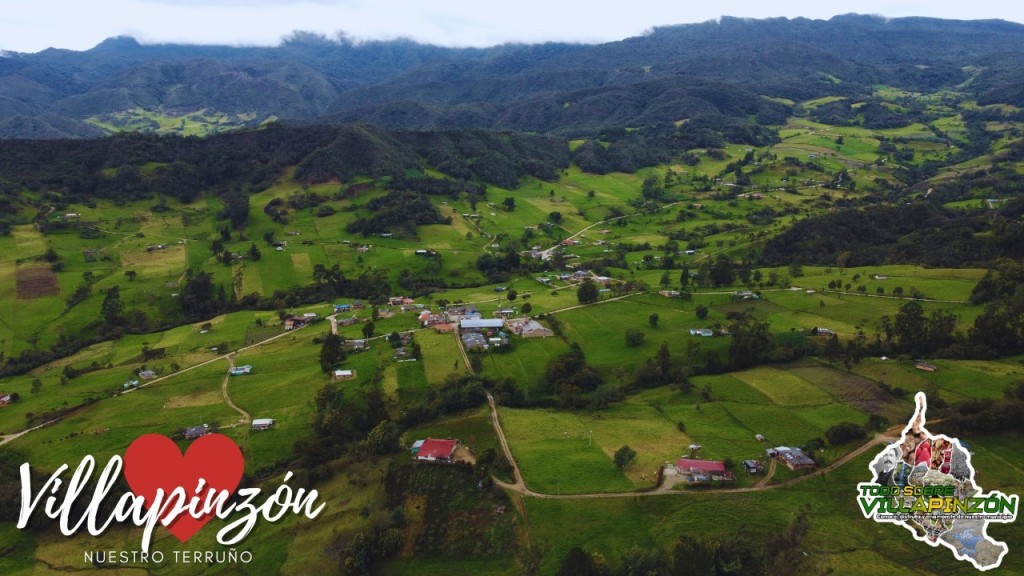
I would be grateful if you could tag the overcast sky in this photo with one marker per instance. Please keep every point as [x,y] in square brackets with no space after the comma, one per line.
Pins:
[33,25]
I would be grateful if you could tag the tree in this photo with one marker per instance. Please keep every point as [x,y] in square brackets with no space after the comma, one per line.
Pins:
[37,386]
[751,342]
[555,217]
[332,352]
[702,312]
[723,272]
[254,252]
[512,295]
[509,203]
[527,308]
[578,563]
[368,329]
[130,274]
[383,439]
[112,308]
[634,337]
[833,349]
[910,327]
[236,208]
[624,456]
[652,187]
[653,320]
[199,298]
[587,292]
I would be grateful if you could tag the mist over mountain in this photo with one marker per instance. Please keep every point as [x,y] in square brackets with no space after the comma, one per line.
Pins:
[719,68]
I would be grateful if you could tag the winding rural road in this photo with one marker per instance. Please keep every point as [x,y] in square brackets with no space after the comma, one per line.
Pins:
[246,417]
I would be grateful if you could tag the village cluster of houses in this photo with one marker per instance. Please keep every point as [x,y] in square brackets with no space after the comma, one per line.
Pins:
[697,471]
[487,333]
[792,457]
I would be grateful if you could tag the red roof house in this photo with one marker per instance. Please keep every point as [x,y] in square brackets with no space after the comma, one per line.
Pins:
[434,449]
[703,469]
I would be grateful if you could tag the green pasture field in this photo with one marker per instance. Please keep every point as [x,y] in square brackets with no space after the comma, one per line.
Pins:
[853,390]
[562,452]
[781,405]
[285,379]
[783,388]
[954,380]
[600,331]
[410,381]
[839,539]
[199,123]
[110,425]
[185,346]
[440,353]
[526,363]
[817,102]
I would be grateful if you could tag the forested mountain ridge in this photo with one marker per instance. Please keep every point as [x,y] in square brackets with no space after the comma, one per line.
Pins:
[560,88]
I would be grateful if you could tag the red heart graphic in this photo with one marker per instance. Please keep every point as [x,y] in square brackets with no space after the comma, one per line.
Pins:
[153,461]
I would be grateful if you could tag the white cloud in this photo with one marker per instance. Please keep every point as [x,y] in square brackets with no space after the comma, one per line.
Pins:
[32,26]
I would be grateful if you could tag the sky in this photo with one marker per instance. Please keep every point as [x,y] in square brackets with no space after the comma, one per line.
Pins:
[34,25]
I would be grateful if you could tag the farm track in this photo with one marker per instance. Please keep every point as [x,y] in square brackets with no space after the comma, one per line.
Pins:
[11,437]
[246,417]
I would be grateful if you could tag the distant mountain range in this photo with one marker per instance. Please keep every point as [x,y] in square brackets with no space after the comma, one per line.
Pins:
[725,68]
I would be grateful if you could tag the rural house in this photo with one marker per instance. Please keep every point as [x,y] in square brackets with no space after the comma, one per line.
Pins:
[196,432]
[703,470]
[480,323]
[293,322]
[527,328]
[339,375]
[263,424]
[434,450]
[793,458]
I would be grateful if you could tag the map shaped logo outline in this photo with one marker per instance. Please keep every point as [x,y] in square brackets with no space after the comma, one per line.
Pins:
[892,455]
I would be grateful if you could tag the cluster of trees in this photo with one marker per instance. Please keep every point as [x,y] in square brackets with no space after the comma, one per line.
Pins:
[999,329]
[661,370]
[569,376]
[236,164]
[922,233]
[988,416]
[398,211]
[502,159]
[372,285]
[621,150]
[500,266]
